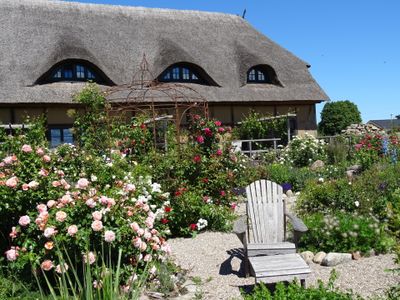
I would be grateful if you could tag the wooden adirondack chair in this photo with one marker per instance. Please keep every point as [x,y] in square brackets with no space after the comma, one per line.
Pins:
[263,234]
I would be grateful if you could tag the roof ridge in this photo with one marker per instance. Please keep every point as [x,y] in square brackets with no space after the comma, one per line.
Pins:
[122,8]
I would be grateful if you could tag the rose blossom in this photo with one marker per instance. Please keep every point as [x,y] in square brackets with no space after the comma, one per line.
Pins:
[219,152]
[12,182]
[200,139]
[208,132]
[109,236]
[155,247]
[12,254]
[66,199]
[26,148]
[97,215]
[147,257]
[143,246]
[61,216]
[82,183]
[97,225]
[137,242]
[24,221]
[49,232]
[46,158]
[40,151]
[47,265]
[140,231]
[8,160]
[60,269]
[25,187]
[43,172]
[129,187]
[147,235]
[49,245]
[51,203]
[72,230]
[33,184]
[149,222]
[13,233]
[90,202]
[134,226]
[89,257]
[41,208]
[56,183]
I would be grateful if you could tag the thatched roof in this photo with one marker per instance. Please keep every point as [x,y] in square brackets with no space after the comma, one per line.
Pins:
[36,34]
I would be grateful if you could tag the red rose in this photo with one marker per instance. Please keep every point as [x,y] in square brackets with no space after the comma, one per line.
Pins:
[197,158]
[208,132]
[167,209]
[193,226]
[222,193]
[218,123]
[164,221]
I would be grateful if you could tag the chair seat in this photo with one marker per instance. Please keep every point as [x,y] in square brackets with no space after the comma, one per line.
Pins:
[258,249]
[271,269]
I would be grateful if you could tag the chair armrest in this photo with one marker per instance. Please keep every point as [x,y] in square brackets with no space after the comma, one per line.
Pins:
[240,228]
[297,223]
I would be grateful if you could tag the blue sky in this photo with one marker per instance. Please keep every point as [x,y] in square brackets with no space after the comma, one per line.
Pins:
[353,46]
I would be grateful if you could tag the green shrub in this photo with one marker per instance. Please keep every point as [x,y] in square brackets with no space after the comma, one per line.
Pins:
[344,232]
[302,151]
[294,291]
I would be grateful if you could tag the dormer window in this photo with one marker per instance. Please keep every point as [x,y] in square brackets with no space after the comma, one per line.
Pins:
[180,74]
[262,74]
[186,73]
[74,70]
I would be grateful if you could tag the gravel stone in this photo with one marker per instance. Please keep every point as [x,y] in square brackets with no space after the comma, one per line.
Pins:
[213,256]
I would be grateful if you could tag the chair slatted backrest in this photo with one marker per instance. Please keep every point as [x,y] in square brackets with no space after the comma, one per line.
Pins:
[265,210]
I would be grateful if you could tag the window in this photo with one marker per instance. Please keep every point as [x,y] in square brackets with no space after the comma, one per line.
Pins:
[60,135]
[74,70]
[186,72]
[263,74]
[257,75]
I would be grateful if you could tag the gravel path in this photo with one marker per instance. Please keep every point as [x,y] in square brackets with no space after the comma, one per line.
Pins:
[216,258]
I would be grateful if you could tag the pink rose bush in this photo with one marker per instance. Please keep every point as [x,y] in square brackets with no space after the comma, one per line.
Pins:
[62,206]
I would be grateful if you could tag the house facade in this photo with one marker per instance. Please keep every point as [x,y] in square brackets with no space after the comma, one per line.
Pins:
[49,49]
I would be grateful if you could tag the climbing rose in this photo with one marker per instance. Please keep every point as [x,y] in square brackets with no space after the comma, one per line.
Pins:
[109,236]
[82,183]
[26,148]
[97,225]
[72,230]
[47,265]
[12,254]
[24,221]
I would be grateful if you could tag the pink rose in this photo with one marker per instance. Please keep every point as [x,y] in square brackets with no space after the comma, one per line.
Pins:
[56,183]
[40,151]
[219,152]
[90,202]
[149,222]
[129,187]
[217,123]
[59,269]
[109,236]
[200,139]
[147,257]
[135,226]
[12,254]
[110,202]
[155,247]
[43,172]
[47,265]
[137,242]
[46,158]
[12,182]
[143,246]
[82,183]
[208,132]
[89,258]
[60,173]
[51,203]
[26,148]
[41,208]
[8,160]
[13,234]
[72,230]
[140,231]
[97,215]
[147,235]
[104,200]
[49,232]
[61,216]
[25,187]
[66,199]
[221,129]
[33,184]
[24,221]
[166,248]
[97,225]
